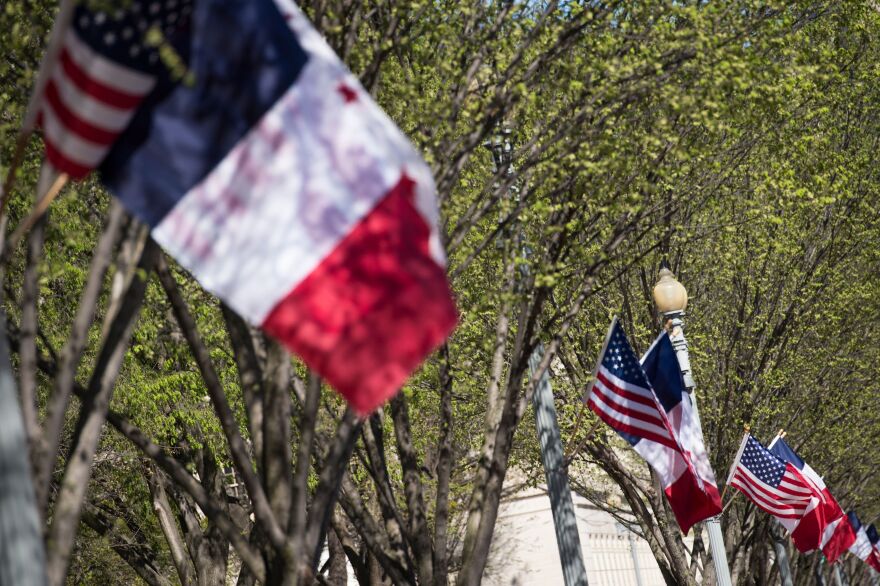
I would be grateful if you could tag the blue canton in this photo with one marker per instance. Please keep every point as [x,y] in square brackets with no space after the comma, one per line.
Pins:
[759,461]
[621,360]
[121,35]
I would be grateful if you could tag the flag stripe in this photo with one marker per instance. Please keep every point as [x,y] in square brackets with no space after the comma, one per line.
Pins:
[761,490]
[112,83]
[71,147]
[772,491]
[771,506]
[60,161]
[624,417]
[635,409]
[624,424]
[637,393]
[88,108]
[792,486]
[74,123]
[638,433]
[617,386]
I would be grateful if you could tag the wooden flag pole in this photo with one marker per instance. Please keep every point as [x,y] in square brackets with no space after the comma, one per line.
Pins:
[53,50]
[779,435]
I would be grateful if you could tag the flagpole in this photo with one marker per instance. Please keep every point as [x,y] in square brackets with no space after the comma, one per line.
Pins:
[736,459]
[670,297]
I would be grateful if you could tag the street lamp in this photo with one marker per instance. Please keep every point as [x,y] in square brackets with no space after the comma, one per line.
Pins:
[671,299]
[670,296]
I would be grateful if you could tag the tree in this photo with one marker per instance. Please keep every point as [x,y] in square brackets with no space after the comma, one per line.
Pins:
[736,139]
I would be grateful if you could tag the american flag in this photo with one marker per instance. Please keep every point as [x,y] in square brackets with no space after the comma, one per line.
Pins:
[109,62]
[775,486]
[622,396]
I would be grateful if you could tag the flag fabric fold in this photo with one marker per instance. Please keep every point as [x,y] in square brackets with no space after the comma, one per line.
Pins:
[261,164]
[663,371]
[779,489]
[837,535]
[622,397]
[874,540]
[862,547]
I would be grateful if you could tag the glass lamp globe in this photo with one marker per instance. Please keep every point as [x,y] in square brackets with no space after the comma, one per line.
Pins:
[670,296]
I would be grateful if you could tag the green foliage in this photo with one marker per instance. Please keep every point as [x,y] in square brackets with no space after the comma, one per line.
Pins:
[737,139]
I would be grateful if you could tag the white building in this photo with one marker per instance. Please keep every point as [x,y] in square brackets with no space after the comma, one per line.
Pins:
[524,550]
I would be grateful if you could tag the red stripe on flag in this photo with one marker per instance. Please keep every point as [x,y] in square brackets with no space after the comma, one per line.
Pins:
[372,310]
[61,162]
[769,494]
[102,92]
[746,489]
[760,498]
[635,431]
[75,124]
[631,413]
[634,397]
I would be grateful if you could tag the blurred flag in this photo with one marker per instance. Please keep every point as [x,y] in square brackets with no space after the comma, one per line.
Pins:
[874,538]
[780,489]
[262,165]
[862,547]
[622,397]
[663,370]
[837,535]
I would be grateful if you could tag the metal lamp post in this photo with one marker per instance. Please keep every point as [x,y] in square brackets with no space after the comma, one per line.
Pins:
[671,299]
[555,472]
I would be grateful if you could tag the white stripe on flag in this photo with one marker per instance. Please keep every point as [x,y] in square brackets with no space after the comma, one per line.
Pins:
[769,505]
[70,144]
[790,486]
[770,490]
[622,384]
[426,193]
[830,530]
[626,420]
[105,71]
[611,394]
[87,108]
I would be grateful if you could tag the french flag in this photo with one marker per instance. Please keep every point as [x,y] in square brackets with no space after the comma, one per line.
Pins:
[267,171]
[622,396]
[663,370]
[862,547]
[835,535]
[874,539]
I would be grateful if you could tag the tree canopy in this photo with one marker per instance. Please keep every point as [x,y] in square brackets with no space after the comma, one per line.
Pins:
[736,139]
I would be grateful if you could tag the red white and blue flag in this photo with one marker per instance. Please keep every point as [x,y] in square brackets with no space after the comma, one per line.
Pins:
[862,547]
[837,535]
[874,539]
[780,489]
[266,170]
[663,370]
[623,398]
